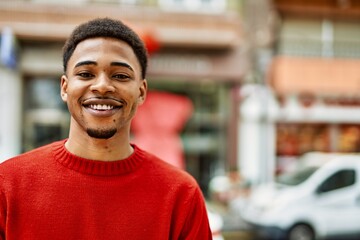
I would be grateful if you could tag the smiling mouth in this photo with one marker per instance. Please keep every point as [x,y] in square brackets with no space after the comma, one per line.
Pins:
[102,104]
[101,107]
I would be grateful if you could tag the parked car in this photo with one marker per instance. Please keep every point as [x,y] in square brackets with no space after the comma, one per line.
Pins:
[315,202]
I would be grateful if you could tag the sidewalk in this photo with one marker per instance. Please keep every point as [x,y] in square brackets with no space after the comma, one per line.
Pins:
[238,235]
[234,227]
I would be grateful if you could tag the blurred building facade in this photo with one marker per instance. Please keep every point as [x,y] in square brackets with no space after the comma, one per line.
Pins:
[306,96]
[197,49]
[315,74]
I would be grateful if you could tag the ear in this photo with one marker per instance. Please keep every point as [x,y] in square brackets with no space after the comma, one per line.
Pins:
[63,87]
[143,91]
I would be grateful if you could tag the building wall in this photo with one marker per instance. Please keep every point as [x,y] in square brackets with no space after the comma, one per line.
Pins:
[11,114]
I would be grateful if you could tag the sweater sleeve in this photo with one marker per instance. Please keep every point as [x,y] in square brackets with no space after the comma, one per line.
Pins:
[197,222]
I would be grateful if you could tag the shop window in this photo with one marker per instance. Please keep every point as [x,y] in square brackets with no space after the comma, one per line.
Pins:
[293,140]
[204,136]
[297,139]
[45,133]
[46,118]
[349,138]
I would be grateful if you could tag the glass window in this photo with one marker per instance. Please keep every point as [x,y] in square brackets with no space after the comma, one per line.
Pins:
[347,39]
[296,139]
[297,177]
[300,37]
[194,5]
[314,37]
[204,137]
[338,180]
[46,118]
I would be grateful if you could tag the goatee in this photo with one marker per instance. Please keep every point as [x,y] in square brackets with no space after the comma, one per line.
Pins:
[101,133]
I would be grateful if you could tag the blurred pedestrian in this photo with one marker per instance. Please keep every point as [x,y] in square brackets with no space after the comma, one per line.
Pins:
[96,184]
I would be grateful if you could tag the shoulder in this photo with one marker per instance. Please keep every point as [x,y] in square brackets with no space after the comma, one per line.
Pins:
[29,159]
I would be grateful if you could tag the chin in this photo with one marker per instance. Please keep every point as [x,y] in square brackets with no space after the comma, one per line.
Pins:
[101,133]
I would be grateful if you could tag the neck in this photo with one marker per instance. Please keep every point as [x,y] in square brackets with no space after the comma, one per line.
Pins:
[115,148]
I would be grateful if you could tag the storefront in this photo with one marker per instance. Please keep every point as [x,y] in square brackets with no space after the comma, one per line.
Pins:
[321,105]
[309,105]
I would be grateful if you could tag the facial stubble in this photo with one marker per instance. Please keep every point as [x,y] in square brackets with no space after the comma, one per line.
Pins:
[101,133]
[108,133]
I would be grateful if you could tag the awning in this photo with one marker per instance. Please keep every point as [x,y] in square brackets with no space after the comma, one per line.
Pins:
[318,76]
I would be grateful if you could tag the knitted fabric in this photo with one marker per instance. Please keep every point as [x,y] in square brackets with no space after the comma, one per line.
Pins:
[49,193]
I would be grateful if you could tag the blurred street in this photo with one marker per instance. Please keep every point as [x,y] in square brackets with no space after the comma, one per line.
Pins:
[236,229]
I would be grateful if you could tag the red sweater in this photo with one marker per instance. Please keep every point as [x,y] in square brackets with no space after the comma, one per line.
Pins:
[49,193]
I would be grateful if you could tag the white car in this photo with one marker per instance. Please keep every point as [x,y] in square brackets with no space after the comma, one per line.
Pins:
[314,203]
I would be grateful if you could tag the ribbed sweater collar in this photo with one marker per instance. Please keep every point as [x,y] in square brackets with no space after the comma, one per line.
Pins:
[96,167]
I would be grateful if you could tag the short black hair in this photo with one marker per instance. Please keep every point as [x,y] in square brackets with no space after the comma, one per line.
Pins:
[106,27]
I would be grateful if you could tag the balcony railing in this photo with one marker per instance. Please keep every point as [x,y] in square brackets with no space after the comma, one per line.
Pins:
[301,47]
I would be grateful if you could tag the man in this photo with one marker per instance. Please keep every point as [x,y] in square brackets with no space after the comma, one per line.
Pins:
[95,184]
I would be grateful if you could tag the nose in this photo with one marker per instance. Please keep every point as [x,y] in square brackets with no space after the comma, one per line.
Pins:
[102,85]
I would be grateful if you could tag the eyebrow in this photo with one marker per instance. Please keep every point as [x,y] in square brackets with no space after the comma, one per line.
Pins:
[120,64]
[85,63]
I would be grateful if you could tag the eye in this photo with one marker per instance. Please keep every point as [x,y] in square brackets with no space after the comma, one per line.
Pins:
[85,75]
[121,76]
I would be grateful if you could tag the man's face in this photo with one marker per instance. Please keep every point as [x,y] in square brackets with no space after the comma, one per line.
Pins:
[103,86]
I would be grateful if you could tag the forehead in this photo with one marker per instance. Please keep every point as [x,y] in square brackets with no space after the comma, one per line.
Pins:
[100,48]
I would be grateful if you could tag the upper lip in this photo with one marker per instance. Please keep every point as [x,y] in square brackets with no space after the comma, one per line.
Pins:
[103,101]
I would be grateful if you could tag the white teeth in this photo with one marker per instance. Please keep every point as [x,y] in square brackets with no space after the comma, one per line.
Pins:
[101,107]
